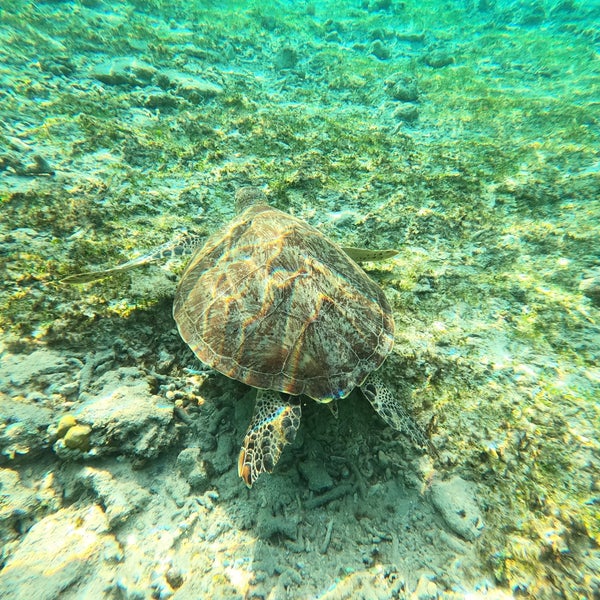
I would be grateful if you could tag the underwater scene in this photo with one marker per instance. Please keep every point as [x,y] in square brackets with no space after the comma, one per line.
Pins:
[300,299]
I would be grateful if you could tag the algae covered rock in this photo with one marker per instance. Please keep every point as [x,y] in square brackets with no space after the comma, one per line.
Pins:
[120,497]
[121,417]
[124,70]
[192,87]
[68,550]
[316,475]
[23,426]
[403,88]
[455,500]
[406,112]
[193,468]
[21,504]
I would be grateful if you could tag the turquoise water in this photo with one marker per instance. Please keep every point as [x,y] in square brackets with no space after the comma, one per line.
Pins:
[464,135]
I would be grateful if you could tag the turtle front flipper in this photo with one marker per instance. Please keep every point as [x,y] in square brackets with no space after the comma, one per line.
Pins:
[274,424]
[393,413]
[183,243]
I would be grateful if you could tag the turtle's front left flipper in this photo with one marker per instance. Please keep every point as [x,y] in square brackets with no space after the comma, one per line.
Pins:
[274,424]
[183,243]
[393,413]
[89,276]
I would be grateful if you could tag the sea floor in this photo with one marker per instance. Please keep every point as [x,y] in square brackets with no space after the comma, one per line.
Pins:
[466,135]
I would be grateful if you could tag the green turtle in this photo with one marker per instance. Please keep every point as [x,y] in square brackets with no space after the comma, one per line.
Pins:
[270,301]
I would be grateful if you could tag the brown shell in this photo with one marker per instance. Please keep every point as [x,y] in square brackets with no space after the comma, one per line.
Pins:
[273,303]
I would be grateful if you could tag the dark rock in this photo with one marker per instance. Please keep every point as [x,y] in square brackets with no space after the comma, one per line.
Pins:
[193,468]
[160,100]
[125,70]
[404,89]
[316,475]
[438,59]
[406,112]
[191,87]
[286,58]
[380,50]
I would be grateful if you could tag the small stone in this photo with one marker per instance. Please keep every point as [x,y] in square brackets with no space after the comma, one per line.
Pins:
[455,500]
[384,459]
[124,70]
[64,425]
[407,112]
[405,90]
[438,59]
[380,50]
[198,478]
[426,589]
[315,474]
[69,389]
[193,468]
[188,460]
[78,437]
[286,58]
[39,166]
[174,578]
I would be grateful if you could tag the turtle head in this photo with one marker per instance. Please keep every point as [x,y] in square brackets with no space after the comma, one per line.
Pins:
[248,196]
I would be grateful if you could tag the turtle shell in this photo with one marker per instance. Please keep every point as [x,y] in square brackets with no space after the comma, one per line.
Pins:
[271,302]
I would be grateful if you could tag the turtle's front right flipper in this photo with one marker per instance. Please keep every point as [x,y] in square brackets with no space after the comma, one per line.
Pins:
[394,413]
[183,243]
[274,424]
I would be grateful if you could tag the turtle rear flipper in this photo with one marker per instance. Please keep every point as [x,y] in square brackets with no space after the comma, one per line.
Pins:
[393,413]
[274,424]
[183,243]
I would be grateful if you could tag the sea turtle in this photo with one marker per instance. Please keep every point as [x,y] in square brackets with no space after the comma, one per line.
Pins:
[270,301]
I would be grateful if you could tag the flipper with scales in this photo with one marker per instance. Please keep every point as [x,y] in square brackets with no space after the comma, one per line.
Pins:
[393,413]
[183,243]
[274,424]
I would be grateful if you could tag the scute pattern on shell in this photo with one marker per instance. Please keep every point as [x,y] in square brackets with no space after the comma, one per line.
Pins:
[273,303]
